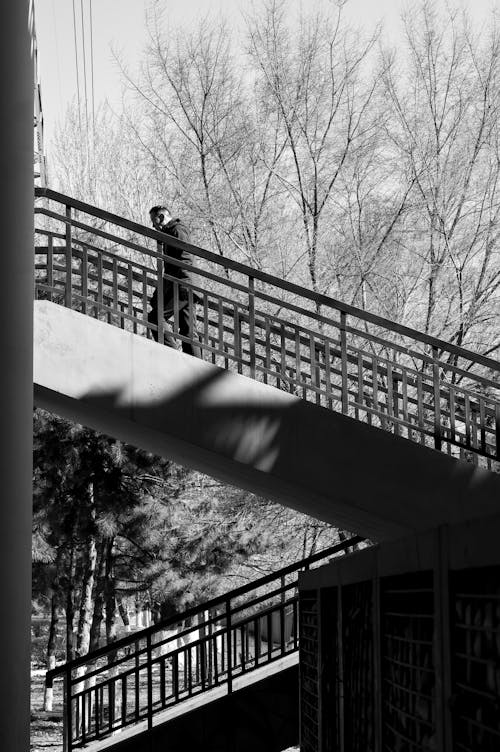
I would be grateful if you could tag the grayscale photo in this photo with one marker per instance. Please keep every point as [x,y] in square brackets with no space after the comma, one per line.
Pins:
[251,363]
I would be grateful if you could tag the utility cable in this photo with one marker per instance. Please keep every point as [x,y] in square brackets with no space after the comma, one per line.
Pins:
[85,76]
[92,72]
[77,73]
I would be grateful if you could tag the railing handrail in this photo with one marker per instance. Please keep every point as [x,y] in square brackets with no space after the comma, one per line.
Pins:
[218,600]
[236,266]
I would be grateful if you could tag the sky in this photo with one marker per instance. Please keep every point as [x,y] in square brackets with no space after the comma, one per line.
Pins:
[119,25]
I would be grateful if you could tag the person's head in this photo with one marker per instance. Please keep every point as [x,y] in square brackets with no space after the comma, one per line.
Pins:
[160,216]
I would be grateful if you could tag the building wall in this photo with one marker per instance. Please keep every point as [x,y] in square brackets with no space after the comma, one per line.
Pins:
[400,645]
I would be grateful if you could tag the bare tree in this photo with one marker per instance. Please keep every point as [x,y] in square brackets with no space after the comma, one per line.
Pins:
[445,100]
[315,79]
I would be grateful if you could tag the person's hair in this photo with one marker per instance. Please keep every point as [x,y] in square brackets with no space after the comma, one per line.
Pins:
[159,208]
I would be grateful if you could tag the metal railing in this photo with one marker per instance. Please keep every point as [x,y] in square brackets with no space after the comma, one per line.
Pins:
[338,356]
[135,679]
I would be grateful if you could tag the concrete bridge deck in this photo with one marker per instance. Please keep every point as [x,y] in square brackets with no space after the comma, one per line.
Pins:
[249,434]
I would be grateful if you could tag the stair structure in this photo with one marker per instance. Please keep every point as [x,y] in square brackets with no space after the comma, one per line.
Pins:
[207,652]
[294,393]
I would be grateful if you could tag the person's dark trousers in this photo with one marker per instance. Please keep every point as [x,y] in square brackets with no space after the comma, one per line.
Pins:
[186,326]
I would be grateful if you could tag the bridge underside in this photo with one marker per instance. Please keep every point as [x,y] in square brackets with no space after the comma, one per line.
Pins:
[249,434]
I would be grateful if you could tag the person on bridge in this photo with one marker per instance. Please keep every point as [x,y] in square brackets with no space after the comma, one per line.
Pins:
[162,221]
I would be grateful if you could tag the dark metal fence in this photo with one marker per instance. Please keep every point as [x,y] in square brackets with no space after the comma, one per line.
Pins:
[207,647]
[340,357]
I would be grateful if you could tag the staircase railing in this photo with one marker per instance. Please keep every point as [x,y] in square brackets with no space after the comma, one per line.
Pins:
[134,679]
[340,357]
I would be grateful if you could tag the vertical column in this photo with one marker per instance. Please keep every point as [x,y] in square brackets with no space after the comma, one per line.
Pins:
[16,350]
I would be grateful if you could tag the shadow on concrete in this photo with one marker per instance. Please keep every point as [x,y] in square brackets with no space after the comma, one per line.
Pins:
[251,435]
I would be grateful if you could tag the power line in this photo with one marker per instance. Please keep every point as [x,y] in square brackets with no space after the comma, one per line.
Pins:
[77,73]
[85,74]
[92,72]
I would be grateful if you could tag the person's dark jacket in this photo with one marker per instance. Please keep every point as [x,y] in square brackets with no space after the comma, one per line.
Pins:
[177,229]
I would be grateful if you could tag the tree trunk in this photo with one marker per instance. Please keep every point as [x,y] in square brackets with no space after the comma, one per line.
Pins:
[123,609]
[85,620]
[51,648]
[70,606]
[110,595]
[110,606]
[99,586]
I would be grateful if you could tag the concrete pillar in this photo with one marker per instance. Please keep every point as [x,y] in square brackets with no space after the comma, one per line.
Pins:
[16,392]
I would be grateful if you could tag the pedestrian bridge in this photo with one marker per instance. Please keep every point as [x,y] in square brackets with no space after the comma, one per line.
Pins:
[338,413]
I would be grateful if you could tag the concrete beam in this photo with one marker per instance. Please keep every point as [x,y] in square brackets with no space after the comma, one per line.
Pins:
[249,434]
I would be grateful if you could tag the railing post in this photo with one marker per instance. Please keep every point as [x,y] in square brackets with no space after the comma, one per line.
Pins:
[159,291]
[251,324]
[67,712]
[149,664]
[343,364]
[497,430]
[437,399]
[229,643]
[69,260]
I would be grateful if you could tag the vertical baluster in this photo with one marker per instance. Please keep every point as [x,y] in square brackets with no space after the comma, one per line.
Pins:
[497,430]
[206,322]
[437,398]
[237,337]
[136,678]
[130,289]
[283,353]
[149,669]
[215,666]
[68,714]
[453,437]
[229,648]
[192,319]
[99,282]
[395,409]
[115,286]
[420,408]
[242,652]
[145,300]
[159,292]
[390,395]
[404,392]
[282,614]
[360,383]
[467,420]
[175,675]
[295,623]
[268,350]
[256,637]
[162,682]
[312,357]
[124,701]
[197,666]
[375,387]
[220,322]
[189,663]
[50,265]
[343,359]
[482,425]
[328,375]
[203,663]
[251,324]
[69,260]
[269,636]
[111,702]
[298,364]
[97,707]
